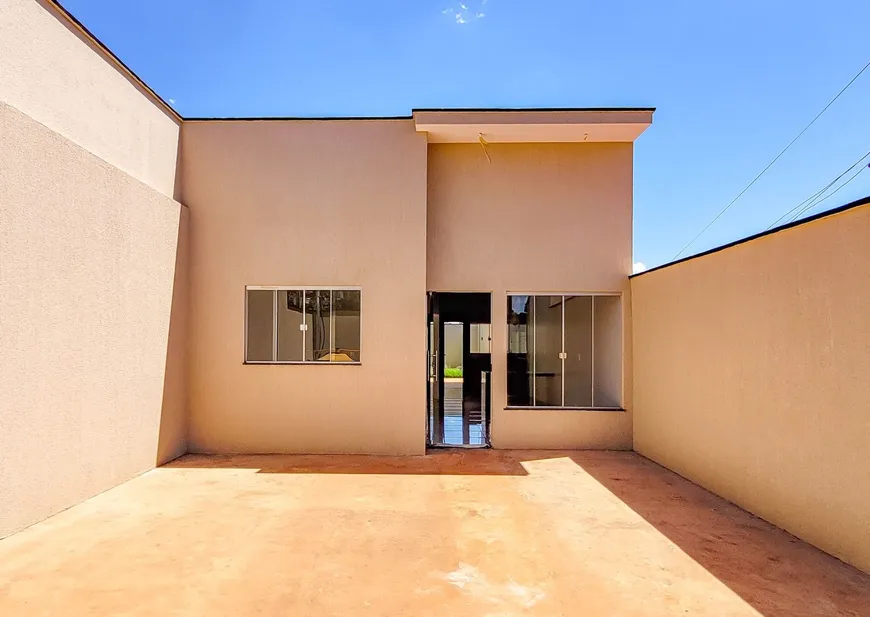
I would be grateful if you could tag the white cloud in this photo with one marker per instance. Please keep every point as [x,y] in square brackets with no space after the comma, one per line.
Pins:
[468,11]
[638,267]
[172,101]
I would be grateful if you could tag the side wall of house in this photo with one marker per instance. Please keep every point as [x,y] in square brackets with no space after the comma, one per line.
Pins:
[307,203]
[751,374]
[50,71]
[92,388]
[535,218]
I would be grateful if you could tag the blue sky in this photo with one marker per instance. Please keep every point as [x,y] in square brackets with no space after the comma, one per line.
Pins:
[733,81]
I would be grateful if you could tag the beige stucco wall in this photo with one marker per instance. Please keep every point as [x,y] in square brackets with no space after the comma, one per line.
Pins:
[87,261]
[51,72]
[307,203]
[172,438]
[537,218]
[751,377]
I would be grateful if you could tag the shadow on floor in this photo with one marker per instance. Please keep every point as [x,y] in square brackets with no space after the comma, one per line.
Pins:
[771,570]
[776,573]
[436,463]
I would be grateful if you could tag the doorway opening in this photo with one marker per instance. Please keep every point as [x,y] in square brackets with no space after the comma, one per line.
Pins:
[459,369]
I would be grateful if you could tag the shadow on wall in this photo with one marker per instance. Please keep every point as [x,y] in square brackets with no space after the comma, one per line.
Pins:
[172,436]
[773,571]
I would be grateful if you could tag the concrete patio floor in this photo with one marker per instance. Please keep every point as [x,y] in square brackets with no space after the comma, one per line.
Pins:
[460,533]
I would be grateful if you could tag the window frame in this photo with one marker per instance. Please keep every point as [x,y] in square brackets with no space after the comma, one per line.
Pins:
[302,288]
[567,294]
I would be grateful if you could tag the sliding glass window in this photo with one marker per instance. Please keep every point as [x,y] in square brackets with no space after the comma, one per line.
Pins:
[564,351]
[302,326]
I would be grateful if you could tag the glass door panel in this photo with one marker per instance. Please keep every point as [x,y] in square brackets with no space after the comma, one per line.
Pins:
[436,419]
[453,348]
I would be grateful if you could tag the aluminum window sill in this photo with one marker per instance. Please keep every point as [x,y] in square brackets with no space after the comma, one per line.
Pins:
[542,408]
[299,363]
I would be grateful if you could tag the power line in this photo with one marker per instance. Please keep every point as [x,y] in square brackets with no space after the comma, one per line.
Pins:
[769,165]
[818,193]
[813,205]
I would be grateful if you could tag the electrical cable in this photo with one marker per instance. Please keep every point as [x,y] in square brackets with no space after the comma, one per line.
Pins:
[817,193]
[813,205]
[769,165]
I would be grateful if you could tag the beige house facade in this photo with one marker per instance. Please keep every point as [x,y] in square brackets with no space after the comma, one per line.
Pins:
[175,285]
[397,209]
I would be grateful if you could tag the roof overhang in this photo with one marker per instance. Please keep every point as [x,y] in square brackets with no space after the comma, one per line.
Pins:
[447,126]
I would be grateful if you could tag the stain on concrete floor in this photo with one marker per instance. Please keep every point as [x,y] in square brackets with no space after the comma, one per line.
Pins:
[458,533]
